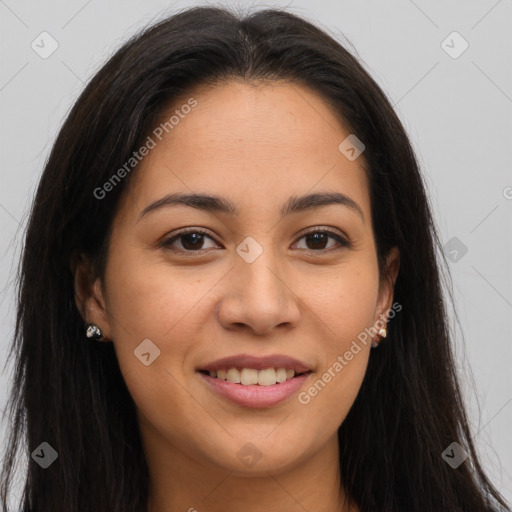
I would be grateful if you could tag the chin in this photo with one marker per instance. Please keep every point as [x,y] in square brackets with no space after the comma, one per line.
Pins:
[259,456]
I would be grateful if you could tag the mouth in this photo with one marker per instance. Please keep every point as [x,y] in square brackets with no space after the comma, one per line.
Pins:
[251,381]
[252,376]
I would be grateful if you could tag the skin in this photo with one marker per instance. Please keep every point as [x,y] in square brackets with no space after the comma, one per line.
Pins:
[256,146]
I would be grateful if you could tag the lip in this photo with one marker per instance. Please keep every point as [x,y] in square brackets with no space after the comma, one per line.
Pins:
[255,396]
[258,363]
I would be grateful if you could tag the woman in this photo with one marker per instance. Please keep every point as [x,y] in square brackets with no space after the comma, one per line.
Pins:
[229,293]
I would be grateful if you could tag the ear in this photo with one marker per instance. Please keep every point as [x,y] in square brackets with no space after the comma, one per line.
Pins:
[387,283]
[89,296]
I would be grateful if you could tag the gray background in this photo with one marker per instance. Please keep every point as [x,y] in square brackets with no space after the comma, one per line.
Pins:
[456,110]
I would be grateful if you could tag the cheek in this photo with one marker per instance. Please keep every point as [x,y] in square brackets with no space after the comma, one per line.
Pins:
[153,301]
[345,306]
[344,301]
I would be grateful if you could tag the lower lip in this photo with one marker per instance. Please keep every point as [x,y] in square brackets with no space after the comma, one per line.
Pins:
[256,395]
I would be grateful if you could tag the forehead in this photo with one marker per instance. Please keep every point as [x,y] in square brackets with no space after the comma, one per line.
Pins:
[249,141]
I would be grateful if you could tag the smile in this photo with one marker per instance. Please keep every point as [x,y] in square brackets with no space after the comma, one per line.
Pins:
[255,395]
[255,380]
[252,376]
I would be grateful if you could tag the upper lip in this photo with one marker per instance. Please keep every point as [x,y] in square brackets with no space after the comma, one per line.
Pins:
[257,363]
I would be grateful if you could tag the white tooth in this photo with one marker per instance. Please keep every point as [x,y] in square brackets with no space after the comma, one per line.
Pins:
[267,377]
[222,374]
[213,373]
[280,374]
[233,375]
[290,374]
[249,376]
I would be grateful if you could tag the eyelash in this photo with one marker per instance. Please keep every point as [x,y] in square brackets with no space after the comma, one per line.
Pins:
[344,243]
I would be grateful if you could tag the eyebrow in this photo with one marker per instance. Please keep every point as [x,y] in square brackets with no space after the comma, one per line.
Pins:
[216,204]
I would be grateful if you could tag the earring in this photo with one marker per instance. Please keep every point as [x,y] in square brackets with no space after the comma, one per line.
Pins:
[93,332]
[383,333]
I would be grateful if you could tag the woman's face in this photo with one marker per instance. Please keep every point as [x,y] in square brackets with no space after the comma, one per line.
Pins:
[251,285]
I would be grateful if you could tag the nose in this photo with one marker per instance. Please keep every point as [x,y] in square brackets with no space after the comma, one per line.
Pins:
[258,297]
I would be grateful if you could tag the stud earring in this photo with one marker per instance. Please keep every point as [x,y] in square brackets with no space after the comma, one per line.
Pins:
[382,333]
[93,332]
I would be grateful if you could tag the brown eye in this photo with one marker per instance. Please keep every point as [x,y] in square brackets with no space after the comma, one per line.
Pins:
[317,240]
[190,241]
